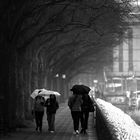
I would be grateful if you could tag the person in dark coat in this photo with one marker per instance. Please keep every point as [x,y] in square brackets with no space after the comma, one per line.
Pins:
[74,103]
[39,111]
[51,108]
[86,107]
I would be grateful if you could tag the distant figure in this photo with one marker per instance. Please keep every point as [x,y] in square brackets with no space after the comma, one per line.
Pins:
[92,94]
[39,111]
[86,107]
[51,108]
[74,103]
[95,93]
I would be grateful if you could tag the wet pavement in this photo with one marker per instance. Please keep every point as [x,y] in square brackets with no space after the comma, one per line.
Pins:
[63,126]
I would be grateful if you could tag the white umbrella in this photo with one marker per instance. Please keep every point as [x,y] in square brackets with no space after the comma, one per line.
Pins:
[48,93]
[36,93]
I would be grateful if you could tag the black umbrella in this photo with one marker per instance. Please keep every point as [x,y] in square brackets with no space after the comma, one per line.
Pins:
[80,89]
[86,88]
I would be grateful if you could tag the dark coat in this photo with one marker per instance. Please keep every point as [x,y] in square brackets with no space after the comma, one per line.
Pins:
[75,102]
[52,106]
[87,104]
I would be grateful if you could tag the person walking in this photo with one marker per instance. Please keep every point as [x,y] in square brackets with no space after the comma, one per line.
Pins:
[51,108]
[74,103]
[39,111]
[86,107]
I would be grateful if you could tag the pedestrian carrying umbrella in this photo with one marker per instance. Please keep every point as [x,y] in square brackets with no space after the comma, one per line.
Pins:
[80,89]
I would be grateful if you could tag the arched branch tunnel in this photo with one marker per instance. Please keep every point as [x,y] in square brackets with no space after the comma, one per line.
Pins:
[47,48]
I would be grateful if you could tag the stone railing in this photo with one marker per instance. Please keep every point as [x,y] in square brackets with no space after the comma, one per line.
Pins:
[113,124]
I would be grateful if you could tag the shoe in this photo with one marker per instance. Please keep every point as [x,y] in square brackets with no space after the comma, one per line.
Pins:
[40,130]
[36,129]
[77,132]
[81,132]
[74,133]
[84,132]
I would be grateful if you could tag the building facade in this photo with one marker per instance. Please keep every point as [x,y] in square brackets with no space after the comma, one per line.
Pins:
[123,78]
[127,59]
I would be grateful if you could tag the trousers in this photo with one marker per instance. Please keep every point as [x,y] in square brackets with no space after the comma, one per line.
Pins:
[51,121]
[76,115]
[38,119]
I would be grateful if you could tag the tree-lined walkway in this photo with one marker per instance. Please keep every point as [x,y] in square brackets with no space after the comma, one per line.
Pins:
[64,129]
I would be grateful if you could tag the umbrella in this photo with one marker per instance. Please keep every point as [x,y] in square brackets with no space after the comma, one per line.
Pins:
[43,92]
[80,89]
[86,88]
[48,93]
[36,92]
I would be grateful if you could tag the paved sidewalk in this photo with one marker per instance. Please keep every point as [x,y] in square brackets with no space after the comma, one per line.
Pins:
[63,125]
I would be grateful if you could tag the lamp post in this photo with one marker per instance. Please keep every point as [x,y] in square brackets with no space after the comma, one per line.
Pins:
[64,85]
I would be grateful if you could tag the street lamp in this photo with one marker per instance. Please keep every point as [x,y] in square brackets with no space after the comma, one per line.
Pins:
[64,76]
[57,75]
[95,81]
